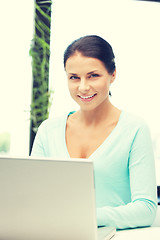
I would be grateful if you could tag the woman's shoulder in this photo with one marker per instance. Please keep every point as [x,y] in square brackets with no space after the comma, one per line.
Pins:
[54,122]
[132,125]
[133,120]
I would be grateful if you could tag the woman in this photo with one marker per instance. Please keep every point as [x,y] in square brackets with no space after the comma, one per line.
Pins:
[118,142]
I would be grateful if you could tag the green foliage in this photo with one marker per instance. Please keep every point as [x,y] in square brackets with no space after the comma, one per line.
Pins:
[4,142]
[40,53]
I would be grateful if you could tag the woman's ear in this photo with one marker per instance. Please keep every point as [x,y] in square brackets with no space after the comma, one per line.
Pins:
[113,76]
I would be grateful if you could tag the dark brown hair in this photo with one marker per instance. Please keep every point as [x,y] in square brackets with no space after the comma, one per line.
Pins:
[95,47]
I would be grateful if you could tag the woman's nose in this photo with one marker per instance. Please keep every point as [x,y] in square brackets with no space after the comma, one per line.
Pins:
[84,86]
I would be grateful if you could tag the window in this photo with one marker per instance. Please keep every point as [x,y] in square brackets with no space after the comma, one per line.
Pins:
[16,75]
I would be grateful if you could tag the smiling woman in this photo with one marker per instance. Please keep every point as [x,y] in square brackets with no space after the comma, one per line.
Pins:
[136,45]
[118,142]
[101,54]
[85,83]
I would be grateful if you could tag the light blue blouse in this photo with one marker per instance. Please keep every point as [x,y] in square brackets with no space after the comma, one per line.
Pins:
[124,169]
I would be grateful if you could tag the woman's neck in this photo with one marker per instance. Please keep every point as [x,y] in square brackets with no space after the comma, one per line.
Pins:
[98,116]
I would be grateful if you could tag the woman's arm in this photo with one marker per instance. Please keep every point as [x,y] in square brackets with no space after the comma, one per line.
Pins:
[141,211]
[38,149]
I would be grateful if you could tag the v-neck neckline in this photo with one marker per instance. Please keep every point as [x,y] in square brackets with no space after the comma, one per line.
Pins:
[101,146]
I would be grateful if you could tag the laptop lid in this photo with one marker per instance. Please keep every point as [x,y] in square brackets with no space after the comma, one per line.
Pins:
[47,199]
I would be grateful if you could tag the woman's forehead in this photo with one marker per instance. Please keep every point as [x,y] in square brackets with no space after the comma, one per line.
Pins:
[78,62]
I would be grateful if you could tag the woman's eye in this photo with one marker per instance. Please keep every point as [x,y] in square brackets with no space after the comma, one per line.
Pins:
[94,75]
[73,77]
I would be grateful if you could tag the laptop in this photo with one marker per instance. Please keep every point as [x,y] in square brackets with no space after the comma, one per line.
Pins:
[48,199]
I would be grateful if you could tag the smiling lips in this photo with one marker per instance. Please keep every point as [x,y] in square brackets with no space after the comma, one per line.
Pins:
[87,98]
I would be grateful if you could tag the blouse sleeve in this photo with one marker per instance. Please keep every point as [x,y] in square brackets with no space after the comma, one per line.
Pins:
[141,211]
[38,149]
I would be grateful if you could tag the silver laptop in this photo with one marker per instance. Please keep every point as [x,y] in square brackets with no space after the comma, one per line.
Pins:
[44,199]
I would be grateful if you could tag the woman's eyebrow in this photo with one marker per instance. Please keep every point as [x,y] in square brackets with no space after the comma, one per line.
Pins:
[72,74]
[75,74]
[92,72]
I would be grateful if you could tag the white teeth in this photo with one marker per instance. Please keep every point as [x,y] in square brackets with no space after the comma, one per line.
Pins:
[87,96]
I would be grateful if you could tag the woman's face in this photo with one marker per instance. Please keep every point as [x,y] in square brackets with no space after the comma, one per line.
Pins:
[88,81]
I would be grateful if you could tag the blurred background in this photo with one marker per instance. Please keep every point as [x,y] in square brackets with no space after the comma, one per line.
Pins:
[131,27]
